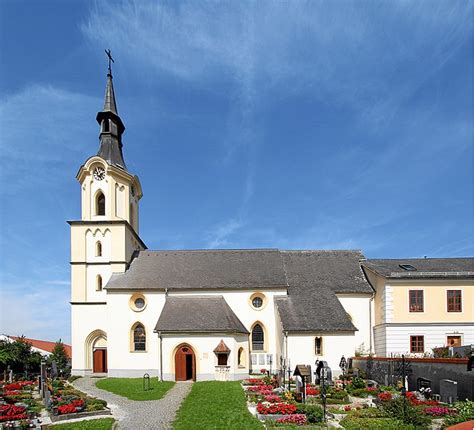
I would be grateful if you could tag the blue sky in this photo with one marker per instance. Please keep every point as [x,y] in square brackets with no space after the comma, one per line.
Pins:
[297,125]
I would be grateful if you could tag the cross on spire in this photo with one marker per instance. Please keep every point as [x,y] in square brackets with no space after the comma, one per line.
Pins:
[109,55]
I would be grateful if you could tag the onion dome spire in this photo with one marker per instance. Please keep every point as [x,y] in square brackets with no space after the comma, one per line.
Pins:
[111,125]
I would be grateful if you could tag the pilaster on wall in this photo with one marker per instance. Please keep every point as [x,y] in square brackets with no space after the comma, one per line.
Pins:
[388,299]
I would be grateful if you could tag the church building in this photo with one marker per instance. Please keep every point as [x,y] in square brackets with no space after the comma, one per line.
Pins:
[200,314]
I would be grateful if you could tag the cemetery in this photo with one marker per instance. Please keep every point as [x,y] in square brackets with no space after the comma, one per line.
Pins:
[353,401]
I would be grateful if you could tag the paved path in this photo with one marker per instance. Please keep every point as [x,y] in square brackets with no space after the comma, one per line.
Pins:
[138,415]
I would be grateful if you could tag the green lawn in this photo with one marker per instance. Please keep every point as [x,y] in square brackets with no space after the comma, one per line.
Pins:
[132,388]
[100,424]
[215,405]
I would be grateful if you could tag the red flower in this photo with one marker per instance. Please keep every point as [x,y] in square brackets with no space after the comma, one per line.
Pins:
[276,409]
[385,396]
[298,419]
[310,391]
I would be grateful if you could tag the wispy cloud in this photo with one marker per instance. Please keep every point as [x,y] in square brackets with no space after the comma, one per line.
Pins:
[218,237]
[36,310]
[348,54]
[43,125]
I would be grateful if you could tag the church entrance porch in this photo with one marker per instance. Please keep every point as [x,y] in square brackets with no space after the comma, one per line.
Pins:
[185,364]
[99,360]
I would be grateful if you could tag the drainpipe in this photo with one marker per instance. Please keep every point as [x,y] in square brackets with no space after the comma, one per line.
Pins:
[286,347]
[370,324]
[161,355]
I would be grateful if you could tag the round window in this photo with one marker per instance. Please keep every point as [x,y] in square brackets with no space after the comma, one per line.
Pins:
[139,303]
[257,302]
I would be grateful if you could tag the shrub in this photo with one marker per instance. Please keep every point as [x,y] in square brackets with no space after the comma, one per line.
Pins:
[357,382]
[465,412]
[314,413]
[351,423]
[401,409]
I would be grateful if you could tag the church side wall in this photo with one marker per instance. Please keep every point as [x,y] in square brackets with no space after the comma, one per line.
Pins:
[122,360]
[301,349]
[206,361]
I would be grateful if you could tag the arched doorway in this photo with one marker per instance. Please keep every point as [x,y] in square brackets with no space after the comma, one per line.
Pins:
[185,364]
[96,352]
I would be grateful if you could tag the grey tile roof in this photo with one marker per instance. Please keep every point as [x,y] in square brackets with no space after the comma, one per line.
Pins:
[425,267]
[198,314]
[314,311]
[208,269]
[338,271]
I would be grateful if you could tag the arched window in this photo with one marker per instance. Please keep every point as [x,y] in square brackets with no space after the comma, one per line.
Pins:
[98,249]
[240,357]
[105,125]
[131,214]
[318,346]
[257,338]
[98,285]
[100,204]
[139,338]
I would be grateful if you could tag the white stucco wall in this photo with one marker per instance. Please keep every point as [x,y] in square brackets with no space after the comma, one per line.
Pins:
[86,322]
[301,349]
[359,309]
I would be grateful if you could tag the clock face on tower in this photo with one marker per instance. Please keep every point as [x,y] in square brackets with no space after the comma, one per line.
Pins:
[99,173]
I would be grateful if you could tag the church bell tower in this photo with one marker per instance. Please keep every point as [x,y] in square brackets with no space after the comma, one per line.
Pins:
[104,240]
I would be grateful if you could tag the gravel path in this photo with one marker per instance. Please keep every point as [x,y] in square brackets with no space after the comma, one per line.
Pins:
[138,415]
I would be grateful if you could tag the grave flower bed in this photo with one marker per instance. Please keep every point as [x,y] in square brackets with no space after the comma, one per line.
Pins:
[253,381]
[273,398]
[68,400]
[12,412]
[276,408]
[298,419]
[385,396]
[439,411]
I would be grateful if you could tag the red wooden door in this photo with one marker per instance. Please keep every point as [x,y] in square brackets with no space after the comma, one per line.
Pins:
[184,362]
[99,361]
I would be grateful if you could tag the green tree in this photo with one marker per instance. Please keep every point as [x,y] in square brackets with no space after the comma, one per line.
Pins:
[60,357]
[19,356]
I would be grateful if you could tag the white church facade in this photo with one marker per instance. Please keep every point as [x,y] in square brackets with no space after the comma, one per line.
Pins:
[199,314]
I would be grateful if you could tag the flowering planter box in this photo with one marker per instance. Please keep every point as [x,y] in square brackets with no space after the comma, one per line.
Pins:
[56,418]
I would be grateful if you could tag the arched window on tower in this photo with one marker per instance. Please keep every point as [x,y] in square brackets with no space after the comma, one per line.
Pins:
[131,214]
[258,339]
[139,338]
[105,125]
[98,249]
[100,204]
[98,285]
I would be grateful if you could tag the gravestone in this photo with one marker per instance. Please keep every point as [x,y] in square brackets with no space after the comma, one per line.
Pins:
[423,383]
[372,383]
[324,364]
[448,390]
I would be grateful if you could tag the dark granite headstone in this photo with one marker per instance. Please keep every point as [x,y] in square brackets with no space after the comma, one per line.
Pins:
[448,390]
[423,383]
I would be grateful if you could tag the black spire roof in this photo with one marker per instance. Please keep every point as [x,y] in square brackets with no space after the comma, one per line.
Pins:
[111,128]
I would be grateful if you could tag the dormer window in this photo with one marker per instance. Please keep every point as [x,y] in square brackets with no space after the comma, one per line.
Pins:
[408,267]
[100,204]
